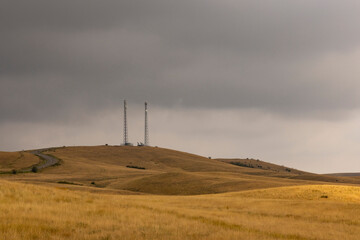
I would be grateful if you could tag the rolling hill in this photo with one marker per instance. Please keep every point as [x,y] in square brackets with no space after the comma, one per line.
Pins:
[139,170]
[112,192]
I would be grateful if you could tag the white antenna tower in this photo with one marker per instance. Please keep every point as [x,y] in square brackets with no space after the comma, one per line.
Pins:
[146,137]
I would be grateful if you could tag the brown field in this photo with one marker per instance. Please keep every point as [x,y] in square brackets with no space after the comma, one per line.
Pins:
[296,212]
[16,160]
[169,172]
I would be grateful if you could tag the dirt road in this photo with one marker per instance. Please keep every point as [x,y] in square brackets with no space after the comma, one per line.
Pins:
[48,160]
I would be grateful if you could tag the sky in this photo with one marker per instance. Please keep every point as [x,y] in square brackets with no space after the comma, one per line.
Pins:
[275,80]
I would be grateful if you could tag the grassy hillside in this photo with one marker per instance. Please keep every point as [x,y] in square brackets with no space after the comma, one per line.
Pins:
[16,160]
[355,174]
[159,171]
[258,164]
[297,212]
[290,173]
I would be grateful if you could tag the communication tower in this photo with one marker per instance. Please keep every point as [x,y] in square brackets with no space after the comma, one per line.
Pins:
[146,136]
[126,142]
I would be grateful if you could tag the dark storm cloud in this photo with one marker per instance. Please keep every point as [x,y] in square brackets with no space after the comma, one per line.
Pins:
[68,57]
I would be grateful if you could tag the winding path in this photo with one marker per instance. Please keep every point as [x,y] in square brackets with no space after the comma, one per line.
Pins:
[49,160]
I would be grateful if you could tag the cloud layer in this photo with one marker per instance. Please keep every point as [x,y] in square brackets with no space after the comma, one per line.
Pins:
[66,62]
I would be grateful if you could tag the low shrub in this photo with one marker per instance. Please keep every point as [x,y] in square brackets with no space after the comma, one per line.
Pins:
[34,169]
[137,167]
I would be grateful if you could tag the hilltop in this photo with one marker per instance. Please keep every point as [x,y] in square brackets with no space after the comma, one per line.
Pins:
[139,170]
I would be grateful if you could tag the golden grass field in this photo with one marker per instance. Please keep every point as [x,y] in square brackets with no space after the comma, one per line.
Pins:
[297,212]
[93,194]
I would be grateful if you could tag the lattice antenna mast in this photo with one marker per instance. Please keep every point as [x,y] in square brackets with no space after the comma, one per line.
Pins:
[146,137]
[125,125]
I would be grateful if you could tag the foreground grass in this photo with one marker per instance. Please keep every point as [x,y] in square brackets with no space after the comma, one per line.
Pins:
[299,212]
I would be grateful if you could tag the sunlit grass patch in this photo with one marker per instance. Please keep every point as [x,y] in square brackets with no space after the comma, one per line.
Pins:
[35,212]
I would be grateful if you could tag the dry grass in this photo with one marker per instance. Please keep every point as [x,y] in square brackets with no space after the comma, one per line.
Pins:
[258,164]
[166,172]
[274,170]
[299,212]
[308,192]
[17,160]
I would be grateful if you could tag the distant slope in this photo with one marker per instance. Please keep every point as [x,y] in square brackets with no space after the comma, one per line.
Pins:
[162,171]
[354,174]
[286,172]
[258,164]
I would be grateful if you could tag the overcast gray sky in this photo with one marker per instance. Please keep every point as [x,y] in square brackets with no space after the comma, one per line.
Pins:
[276,80]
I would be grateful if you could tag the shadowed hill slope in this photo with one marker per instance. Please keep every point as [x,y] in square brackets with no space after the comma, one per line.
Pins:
[155,170]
